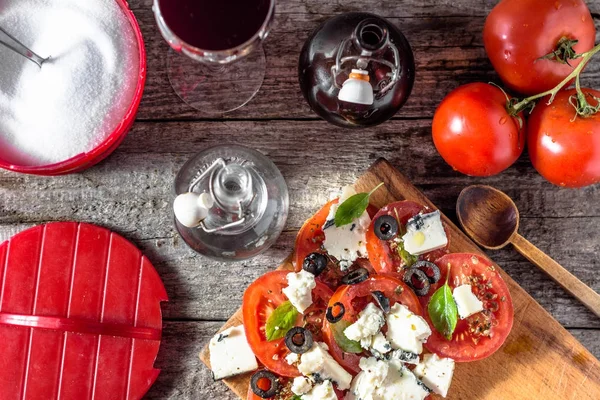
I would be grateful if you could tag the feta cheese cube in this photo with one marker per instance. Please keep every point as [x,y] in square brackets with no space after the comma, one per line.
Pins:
[466,302]
[436,373]
[406,331]
[324,391]
[301,385]
[299,289]
[369,322]
[230,353]
[318,363]
[346,243]
[424,233]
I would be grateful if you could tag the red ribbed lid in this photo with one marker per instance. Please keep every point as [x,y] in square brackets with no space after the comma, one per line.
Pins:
[80,315]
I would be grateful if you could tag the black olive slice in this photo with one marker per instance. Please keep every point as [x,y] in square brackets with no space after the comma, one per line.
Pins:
[430,269]
[333,318]
[386,227]
[382,301]
[315,263]
[273,384]
[298,340]
[418,281]
[357,276]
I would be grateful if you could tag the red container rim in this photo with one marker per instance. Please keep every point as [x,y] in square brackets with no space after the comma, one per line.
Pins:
[85,160]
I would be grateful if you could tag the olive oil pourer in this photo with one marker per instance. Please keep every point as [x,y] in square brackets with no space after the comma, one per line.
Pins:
[232,203]
[357,69]
[12,43]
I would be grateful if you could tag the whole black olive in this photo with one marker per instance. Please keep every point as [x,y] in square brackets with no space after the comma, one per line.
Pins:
[315,263]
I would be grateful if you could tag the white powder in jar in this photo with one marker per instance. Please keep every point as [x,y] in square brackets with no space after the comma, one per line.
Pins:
[78,97]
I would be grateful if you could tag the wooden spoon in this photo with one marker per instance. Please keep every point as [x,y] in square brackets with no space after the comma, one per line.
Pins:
[491,218]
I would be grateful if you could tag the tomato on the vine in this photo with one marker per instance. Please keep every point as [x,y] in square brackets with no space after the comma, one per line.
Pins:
[563,148]
[518,33]
[474,132]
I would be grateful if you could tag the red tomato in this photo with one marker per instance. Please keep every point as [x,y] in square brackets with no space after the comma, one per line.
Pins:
[474,133]
[355,298]
[481,334]
[310,240]
[517,33]
[382,257]
[261,298]
[564,150]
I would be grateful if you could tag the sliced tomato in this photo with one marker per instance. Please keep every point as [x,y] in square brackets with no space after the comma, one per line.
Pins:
[310,240]
[261,298]
[481,334]
[355,298]
[384,259]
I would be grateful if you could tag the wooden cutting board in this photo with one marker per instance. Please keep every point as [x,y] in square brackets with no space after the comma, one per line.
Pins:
[539,360]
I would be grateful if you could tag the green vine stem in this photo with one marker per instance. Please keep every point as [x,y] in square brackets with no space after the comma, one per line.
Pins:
[583,108]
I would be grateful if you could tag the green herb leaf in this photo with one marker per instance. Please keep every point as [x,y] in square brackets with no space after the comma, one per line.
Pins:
[281,321]
[353,207]
[296,397]
[442,310]
[347,345]
[408,258]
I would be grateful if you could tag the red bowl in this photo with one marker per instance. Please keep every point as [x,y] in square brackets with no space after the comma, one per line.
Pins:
[86,160]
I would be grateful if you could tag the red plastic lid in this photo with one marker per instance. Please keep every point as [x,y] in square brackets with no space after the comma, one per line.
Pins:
[80,315]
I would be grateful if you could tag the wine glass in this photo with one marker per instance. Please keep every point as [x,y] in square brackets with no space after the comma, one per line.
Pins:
[217,63]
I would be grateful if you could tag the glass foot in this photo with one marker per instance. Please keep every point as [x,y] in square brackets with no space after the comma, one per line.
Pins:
[215,90]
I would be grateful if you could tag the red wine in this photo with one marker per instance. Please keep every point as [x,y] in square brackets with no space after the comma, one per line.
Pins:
[214,24]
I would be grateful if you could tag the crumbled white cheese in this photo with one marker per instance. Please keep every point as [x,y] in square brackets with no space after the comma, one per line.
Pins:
[436,373]
[369,322]
[318,363]
[424,233]
[301,385]
[324,391]
[299,289]
[230,353]
[346,243]
[292,358]
[466,302]
[406,330]
[398,382]
[377,344]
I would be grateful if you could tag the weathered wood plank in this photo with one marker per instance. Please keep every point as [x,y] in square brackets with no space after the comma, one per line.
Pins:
[446,39]
[131,193]
[183,376]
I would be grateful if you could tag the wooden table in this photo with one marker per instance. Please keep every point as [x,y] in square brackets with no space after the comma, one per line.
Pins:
[131,192]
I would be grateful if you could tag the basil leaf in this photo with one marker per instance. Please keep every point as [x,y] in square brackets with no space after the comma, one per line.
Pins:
[347,345]
[353,207]
[281,321]
[296,397]
[443,312]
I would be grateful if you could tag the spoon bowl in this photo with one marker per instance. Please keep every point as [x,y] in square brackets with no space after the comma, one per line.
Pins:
[488,216]
[491,219]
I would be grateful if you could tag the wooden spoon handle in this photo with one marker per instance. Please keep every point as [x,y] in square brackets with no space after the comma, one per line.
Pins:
[567,280]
